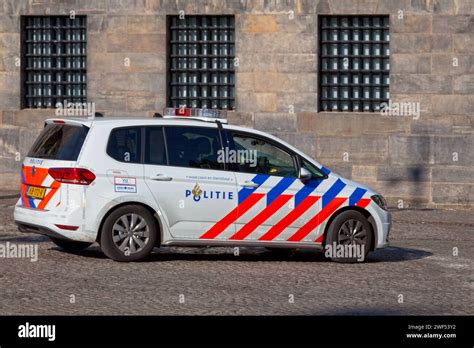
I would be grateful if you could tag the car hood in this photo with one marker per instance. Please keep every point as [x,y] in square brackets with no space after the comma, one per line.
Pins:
[355,184]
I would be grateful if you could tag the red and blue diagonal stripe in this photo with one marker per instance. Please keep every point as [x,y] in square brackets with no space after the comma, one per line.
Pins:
[276,199]
[279,188]
[261,217]
[329,205]
[333,191]
[356,196]
[306,190]
[230,218]
[303,202]
[245,192]
[280,226]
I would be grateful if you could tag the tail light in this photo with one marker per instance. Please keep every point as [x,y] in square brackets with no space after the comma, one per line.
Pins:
[78,176]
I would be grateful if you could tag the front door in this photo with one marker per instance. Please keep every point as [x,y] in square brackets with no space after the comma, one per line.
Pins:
[269,187]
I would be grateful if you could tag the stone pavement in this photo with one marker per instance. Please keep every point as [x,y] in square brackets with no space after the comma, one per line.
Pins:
[418,269]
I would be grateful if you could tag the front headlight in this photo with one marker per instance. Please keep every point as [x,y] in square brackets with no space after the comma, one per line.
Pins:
[380,201]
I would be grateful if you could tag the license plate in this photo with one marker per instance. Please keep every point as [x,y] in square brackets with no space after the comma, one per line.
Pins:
[36,192]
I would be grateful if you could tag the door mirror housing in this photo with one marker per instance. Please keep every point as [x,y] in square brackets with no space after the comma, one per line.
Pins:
[305,175]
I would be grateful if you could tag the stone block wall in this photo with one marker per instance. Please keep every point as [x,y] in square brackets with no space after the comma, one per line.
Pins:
[428,161]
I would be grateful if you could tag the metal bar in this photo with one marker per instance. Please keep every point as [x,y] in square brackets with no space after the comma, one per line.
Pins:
[204,63]
[54,60]
[337,35]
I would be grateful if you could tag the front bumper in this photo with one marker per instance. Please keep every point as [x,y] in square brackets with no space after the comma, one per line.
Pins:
[386,231]
[385,225]
[382,221]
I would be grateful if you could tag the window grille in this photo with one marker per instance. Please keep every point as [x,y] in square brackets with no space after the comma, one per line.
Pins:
[201,51]
[354,62]
[53,60]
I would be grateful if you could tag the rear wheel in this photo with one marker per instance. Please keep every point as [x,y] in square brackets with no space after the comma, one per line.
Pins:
[349,237]
[128,234]
[70,245]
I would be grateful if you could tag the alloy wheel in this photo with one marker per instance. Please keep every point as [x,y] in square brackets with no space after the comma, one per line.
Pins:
[352,232]
[130,233]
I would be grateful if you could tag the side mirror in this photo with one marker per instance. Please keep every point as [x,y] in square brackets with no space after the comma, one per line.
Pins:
[305,175]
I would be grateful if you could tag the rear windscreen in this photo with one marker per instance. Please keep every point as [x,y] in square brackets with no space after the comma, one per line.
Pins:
[59,142]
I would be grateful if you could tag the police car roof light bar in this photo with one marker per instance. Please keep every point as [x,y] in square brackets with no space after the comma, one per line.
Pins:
[208,115]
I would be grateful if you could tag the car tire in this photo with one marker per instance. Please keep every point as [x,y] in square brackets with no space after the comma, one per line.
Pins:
[129,233]
[349,228]
[70,245]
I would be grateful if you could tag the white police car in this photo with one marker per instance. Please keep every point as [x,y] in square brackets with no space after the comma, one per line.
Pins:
[183,180]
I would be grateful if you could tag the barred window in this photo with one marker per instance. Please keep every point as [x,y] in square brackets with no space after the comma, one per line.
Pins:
[353,62]
[53,60]
[201,52]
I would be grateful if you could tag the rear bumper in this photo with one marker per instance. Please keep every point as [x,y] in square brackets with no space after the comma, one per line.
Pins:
[44,222]
[31,228]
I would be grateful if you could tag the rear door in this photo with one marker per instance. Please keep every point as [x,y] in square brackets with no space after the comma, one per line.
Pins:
[188,181]
[58,145]
[124,168]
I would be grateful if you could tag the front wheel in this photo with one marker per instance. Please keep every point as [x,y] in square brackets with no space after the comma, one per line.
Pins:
[70,245]
[128,234]
[349,238]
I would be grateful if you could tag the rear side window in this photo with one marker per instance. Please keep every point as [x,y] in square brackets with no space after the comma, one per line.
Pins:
[155,151]
[193,147]
[59,142]
[125,144]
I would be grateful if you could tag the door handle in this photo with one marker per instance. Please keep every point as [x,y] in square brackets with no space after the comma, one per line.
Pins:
[250,184]
[161,177]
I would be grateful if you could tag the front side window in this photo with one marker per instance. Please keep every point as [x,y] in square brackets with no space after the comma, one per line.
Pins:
[53,60]
[193,147]
[354,63]
[125,144]
[316,173]
[201,62]
[257,156]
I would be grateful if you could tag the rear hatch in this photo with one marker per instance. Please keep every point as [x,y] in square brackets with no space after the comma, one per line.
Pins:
[56,148]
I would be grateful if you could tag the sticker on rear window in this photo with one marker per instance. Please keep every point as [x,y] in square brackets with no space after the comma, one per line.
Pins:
[122,184]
